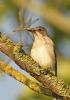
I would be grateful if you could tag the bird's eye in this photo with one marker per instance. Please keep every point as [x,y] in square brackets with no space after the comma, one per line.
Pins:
[39,29]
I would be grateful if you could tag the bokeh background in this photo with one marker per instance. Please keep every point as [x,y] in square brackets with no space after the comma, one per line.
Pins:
[54,15]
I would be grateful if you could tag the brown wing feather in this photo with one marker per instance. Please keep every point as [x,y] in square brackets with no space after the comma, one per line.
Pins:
[55,61]
[50,41]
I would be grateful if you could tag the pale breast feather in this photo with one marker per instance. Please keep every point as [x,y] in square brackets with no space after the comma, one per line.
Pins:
[41,55]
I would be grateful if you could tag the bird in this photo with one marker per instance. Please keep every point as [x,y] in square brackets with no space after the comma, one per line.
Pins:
[43,49]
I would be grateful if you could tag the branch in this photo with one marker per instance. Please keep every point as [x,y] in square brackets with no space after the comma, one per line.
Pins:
[27,63]
[23,79]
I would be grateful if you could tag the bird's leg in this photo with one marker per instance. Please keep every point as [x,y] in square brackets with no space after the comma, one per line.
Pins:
[48,70]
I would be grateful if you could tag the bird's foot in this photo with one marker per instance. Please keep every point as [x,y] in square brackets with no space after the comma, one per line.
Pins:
[47,71]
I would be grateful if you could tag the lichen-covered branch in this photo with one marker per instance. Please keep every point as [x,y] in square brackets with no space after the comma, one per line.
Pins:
[23,79]
[27,63]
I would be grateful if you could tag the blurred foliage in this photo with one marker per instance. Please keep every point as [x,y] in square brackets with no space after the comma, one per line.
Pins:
[64,71]
[62,5]
[57,14]
[5,6]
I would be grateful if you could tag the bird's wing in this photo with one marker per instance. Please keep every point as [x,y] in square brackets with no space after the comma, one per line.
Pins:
[50,41]
[55,61]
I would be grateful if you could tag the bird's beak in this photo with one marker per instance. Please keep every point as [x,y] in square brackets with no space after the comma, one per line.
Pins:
[30,30]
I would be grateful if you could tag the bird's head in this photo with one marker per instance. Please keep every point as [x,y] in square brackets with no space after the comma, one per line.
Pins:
[38,30]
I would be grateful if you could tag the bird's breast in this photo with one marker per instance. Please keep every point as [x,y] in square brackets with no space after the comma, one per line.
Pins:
[41,55]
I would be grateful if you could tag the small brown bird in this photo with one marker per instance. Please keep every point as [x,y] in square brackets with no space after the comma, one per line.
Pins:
[43,50]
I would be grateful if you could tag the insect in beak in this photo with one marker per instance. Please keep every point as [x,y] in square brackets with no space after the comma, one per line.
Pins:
[30,30]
